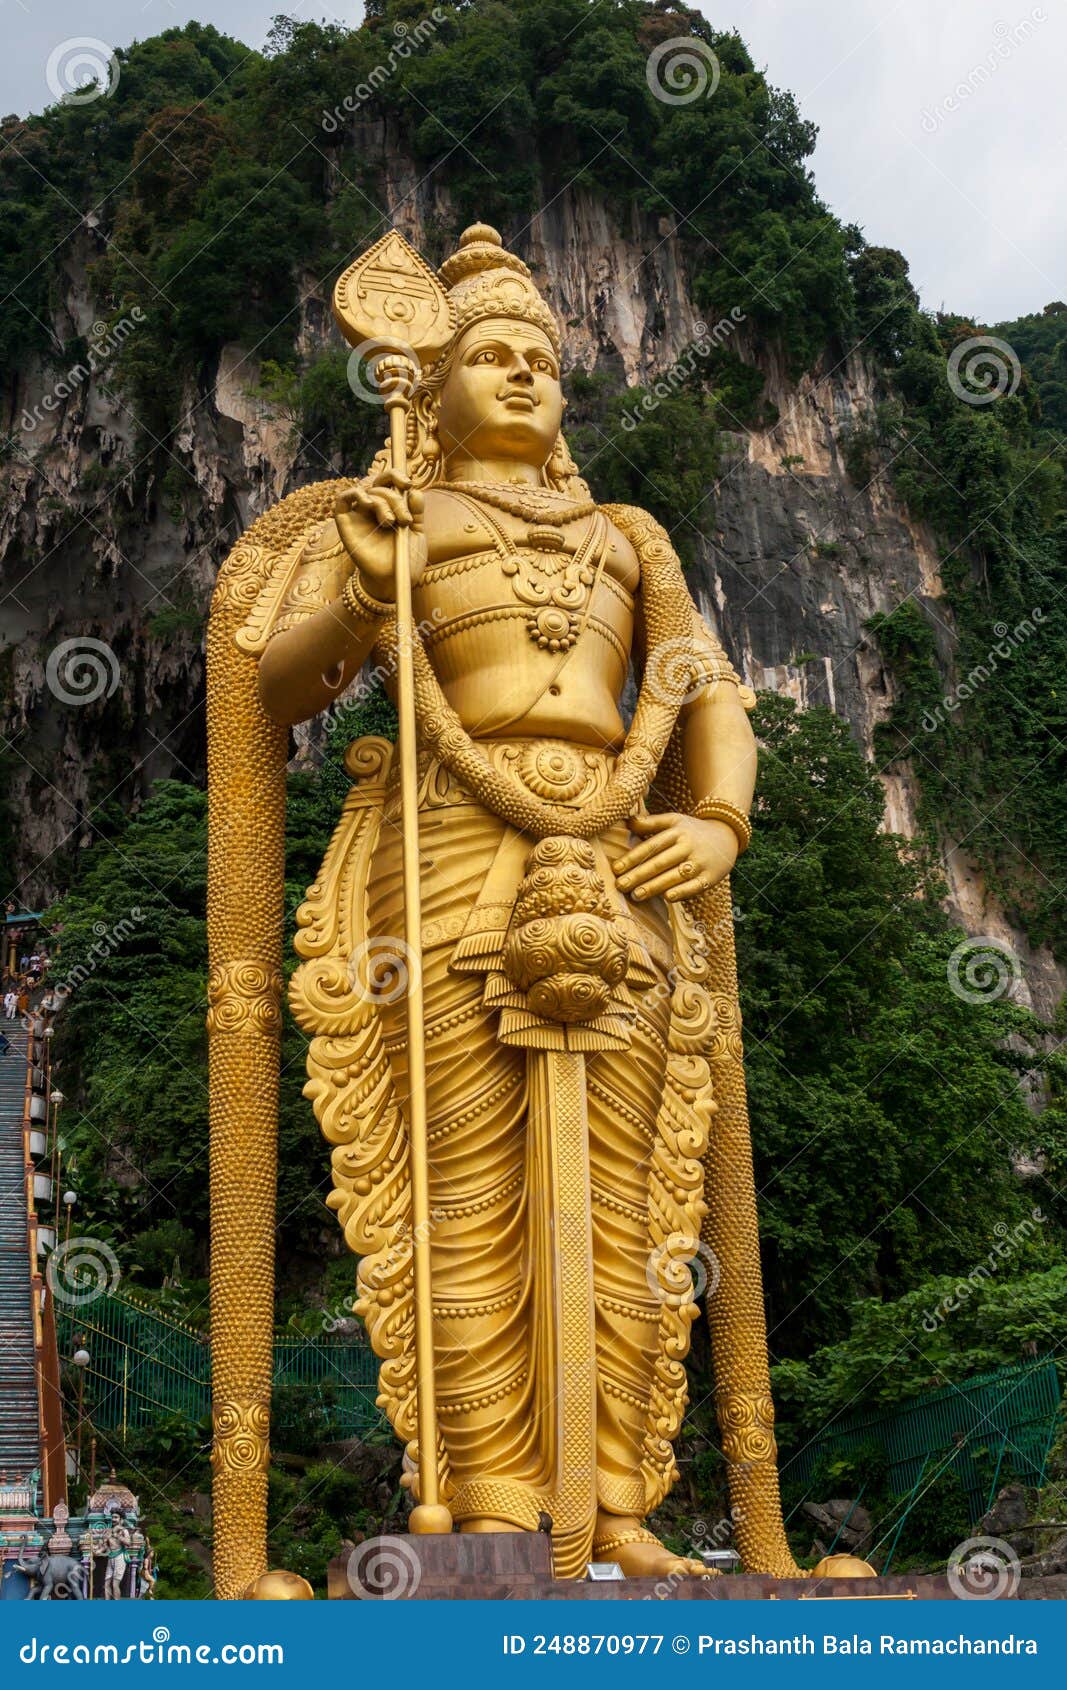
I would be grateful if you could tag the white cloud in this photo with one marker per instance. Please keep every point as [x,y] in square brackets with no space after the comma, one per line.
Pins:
[970,195]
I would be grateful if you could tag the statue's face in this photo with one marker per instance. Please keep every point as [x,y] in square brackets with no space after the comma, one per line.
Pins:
[502,397]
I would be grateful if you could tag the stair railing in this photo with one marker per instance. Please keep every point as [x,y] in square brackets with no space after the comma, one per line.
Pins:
[42,1307]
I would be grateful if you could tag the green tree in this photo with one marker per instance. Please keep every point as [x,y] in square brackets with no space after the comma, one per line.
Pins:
[884,1107]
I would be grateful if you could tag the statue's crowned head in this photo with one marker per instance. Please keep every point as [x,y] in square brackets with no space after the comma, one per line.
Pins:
[495,391]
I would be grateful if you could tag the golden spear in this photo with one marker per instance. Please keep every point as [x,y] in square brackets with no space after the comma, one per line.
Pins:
[391,308]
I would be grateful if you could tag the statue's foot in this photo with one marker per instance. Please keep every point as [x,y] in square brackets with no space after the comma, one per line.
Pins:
[639,1553]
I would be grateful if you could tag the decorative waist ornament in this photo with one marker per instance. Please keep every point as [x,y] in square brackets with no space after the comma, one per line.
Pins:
[535,1097]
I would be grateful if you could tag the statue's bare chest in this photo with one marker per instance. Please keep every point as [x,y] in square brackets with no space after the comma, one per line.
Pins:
[549,579]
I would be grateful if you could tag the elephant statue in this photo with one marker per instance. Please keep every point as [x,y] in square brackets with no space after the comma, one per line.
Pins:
[57,1576]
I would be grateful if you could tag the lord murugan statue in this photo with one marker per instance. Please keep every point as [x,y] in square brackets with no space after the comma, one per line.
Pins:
[586,1134]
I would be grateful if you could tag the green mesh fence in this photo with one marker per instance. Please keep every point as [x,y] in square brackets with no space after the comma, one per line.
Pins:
[994,1426]
[145,1365]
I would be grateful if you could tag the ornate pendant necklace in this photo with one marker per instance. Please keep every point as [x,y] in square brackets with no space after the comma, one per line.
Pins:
[557,591]
[533,504]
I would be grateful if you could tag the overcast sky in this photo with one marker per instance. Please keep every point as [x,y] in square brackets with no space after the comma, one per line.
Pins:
[942,122]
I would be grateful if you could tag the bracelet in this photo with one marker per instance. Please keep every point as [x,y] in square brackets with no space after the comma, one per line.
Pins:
[360,603]
[717,810]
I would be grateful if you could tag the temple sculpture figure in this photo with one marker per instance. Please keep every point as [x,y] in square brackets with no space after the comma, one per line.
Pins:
[586,1127]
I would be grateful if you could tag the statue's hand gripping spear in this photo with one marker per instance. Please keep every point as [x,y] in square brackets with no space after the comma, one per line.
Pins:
[390,306]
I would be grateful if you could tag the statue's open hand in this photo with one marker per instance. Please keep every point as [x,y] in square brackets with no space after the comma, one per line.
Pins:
[678,857]
[367,515]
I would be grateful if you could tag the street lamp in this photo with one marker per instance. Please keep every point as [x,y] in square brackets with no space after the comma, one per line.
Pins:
[56,1099]
[69,1199]
[81,1359]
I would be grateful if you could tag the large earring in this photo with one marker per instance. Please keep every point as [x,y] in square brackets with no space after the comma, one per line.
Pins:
[560,465]
[429,446]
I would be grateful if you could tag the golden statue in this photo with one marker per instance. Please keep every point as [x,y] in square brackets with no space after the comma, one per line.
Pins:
[562,1127]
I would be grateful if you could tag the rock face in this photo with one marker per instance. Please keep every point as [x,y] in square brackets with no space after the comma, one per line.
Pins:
[797,558]
[843,1526]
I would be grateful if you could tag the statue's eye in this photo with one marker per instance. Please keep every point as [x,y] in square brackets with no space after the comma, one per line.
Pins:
[486,357]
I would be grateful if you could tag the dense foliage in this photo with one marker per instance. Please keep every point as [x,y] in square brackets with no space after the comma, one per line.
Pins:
[1040,340]
[214,175]
[884,1107]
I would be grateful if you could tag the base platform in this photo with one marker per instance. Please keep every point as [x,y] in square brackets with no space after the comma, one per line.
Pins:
[502,1566]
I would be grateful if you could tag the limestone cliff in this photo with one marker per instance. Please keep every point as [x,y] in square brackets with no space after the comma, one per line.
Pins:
[795,561]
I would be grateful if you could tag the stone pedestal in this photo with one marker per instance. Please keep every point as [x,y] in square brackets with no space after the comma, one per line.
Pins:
[498,1566]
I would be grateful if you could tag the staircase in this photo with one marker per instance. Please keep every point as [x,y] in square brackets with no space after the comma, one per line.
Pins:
[20,1446]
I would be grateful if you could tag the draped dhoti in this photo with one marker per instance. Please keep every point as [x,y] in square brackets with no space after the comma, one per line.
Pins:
[560,1180]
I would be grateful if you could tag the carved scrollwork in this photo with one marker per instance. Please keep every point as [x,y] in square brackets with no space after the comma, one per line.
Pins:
[691,948]
[693,1018]
[324,998]
[367,760]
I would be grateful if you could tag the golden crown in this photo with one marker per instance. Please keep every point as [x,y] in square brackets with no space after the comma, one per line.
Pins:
[484,280]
